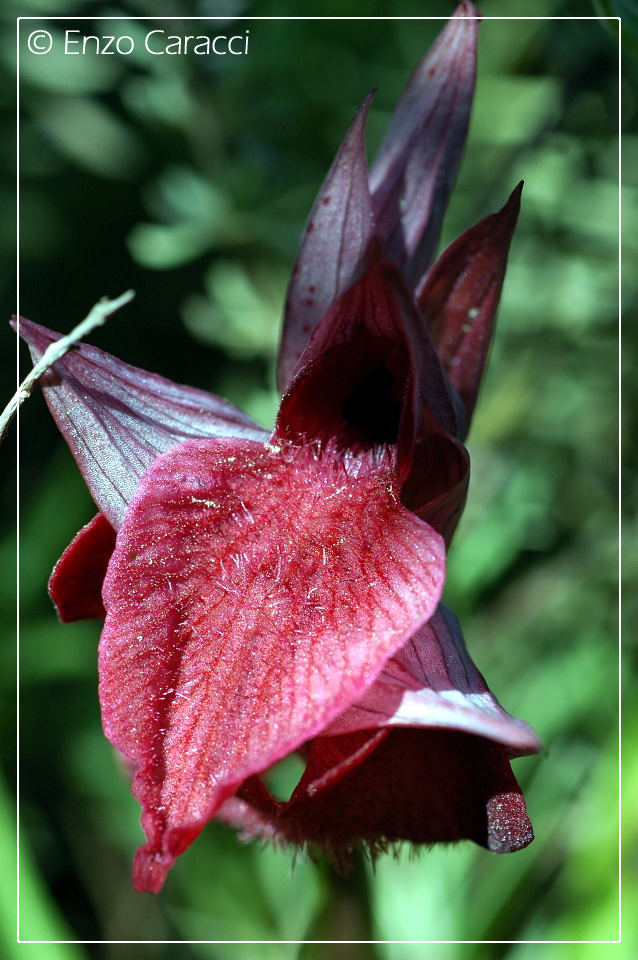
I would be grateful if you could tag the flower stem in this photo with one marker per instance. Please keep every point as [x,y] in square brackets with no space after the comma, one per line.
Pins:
[346,916]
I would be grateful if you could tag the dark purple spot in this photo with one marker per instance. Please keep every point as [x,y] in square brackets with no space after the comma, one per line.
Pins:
[326,200]
[311,288]
[308,302]
[431,71]
[310,228]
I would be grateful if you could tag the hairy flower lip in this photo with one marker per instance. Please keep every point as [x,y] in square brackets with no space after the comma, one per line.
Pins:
[266,585]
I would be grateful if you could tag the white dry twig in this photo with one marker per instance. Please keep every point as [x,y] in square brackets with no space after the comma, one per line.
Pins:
[96,317]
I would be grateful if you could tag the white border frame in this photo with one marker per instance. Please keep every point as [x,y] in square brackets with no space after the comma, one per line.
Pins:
[41,19]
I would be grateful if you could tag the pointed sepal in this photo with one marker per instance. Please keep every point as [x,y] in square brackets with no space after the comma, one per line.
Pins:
[116,419]
[459,297]
[414,173]
[332,248]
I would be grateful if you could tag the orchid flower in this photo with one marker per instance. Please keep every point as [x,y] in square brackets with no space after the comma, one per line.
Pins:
[266,593]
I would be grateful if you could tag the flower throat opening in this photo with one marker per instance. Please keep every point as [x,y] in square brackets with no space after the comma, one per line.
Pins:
[353,397]
[371,410]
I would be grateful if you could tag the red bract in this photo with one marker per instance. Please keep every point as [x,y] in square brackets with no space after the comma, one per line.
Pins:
[269,593]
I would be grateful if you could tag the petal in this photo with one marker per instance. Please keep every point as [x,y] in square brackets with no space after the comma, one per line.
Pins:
[116,418]
[75,586]
[336,237]
[255,592]
[460,295]
[368,371]
[436,487]
[424,786]
[418,161]
[432,682]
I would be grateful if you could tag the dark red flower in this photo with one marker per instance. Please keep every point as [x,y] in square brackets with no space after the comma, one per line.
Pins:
[267,593]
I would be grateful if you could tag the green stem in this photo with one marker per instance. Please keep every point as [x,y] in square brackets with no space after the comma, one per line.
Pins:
[346,916]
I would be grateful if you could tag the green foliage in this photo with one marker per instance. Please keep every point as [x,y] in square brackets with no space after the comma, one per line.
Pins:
[190,180]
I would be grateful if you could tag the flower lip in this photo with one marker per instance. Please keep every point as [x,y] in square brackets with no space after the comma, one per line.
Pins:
[255,592]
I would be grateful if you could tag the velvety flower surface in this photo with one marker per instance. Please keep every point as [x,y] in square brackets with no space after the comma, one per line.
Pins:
[265,593]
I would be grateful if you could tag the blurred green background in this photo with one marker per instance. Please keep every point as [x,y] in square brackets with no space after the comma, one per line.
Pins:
[189,179]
